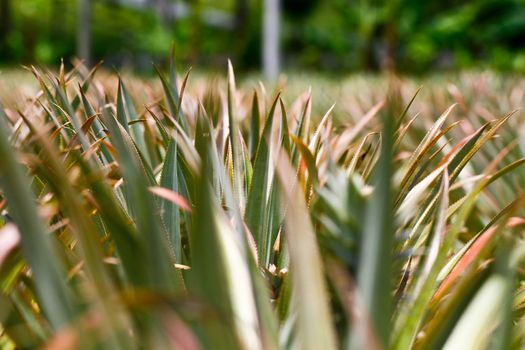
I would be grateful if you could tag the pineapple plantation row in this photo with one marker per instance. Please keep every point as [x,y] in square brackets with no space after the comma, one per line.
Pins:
[167,214]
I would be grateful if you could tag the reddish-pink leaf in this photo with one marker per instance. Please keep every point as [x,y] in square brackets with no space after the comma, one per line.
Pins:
[171,196]
[9,239]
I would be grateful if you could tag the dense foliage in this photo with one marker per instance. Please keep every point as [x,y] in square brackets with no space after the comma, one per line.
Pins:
[222,218]
[334,35]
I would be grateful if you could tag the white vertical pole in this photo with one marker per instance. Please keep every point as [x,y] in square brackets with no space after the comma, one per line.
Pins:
[271,33]
[84,31]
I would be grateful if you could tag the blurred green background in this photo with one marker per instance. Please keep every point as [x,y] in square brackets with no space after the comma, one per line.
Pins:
[332,36]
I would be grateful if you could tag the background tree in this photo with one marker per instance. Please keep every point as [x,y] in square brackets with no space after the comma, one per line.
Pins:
[84,30]
[5,21]
[271,39]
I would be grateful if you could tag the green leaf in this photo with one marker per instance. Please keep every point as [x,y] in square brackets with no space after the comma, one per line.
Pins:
[255,120]
[210,274]
[256,206]
[55,298]
[235,143]
[172,100]
[144,210]
[170,212]
[315,328]
[375,265]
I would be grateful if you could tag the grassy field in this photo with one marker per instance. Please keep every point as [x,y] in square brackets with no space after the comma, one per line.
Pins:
[160,213]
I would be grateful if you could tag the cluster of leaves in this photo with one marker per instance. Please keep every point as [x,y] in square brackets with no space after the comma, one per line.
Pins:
[230,221]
